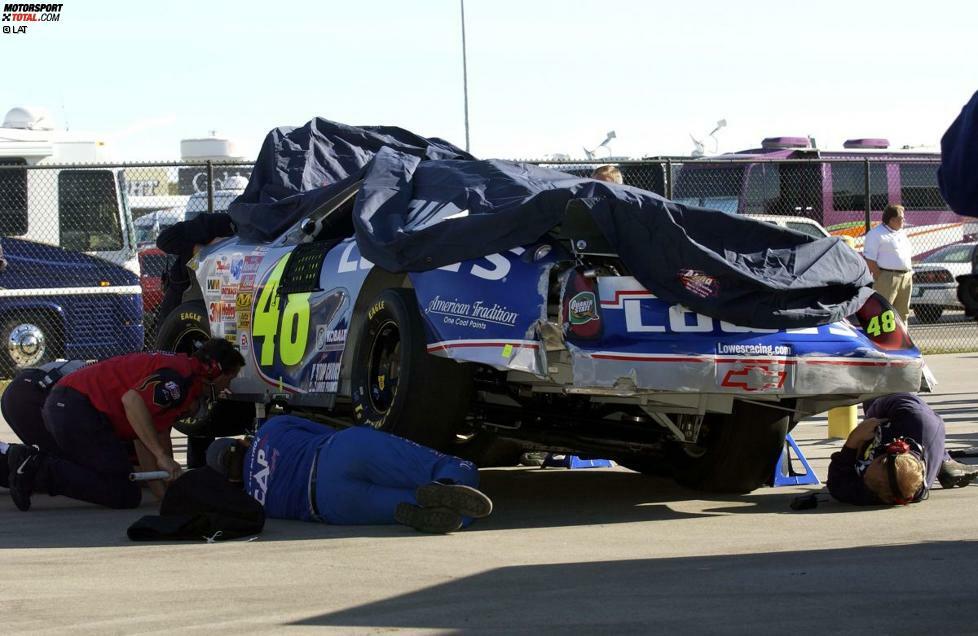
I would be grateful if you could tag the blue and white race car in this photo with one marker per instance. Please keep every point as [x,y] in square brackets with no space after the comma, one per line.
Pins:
[550,345]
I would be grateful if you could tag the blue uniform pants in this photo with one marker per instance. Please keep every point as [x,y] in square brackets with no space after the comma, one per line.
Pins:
[363,473]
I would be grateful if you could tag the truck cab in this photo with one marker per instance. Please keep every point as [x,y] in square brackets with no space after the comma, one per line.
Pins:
[75,207]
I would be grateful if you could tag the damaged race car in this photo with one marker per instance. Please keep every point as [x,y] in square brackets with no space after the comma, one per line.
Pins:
[350,302]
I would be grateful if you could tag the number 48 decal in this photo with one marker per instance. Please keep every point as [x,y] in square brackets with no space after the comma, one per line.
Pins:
[290,327]
[883,323]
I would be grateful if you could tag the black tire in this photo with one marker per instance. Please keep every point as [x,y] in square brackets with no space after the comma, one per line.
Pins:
[397,386]
[184,329]
[485,450]
[11,362]
[928,313]
[737,453]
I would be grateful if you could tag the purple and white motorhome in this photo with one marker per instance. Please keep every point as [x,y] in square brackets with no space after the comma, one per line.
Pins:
[790,176]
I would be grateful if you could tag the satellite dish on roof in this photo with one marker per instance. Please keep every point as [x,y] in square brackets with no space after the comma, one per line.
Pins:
[28,118]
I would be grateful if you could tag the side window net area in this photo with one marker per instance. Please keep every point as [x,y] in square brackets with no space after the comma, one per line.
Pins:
[88,211]
[13,198]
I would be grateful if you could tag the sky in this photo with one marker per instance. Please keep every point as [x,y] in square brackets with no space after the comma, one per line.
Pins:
[544,77]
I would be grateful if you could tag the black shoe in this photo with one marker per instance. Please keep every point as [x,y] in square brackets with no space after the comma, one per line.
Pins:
[435,520]
[464,500]
[956,475]
[24,462]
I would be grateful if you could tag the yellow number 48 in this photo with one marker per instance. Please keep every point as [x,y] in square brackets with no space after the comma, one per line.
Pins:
[884,323]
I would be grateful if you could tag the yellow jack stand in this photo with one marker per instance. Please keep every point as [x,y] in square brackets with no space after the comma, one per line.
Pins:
[841,421]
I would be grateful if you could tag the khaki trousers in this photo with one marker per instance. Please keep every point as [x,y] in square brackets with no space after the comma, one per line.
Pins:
[896,289]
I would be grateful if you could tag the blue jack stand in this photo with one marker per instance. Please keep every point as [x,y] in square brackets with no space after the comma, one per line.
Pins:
[573,461]
[785,474]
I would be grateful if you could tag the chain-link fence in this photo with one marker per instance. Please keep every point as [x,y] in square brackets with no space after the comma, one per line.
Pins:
[83,274]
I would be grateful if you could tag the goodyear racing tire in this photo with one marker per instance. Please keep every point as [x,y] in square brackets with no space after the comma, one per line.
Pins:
[737,453]
[184,329]
[396,385]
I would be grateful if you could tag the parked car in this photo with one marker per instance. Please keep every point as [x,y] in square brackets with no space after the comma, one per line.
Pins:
[56,303]
[149,226]
[934,280]
[545,344]
[152,264]
[801,224]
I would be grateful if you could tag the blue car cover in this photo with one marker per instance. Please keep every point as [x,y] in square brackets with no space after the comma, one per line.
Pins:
[425,206]
[958,174]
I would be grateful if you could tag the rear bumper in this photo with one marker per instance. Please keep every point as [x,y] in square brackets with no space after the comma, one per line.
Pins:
[936,295]
[787,377]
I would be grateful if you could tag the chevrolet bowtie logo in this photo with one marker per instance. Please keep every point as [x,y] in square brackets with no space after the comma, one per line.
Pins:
[755,378]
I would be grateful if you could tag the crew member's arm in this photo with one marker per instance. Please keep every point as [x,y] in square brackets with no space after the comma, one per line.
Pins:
[844,482]
[148,463]
[142,423]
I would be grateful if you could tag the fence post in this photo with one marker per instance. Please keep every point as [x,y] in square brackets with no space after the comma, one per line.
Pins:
[669,179]
[869,198]
[210,186]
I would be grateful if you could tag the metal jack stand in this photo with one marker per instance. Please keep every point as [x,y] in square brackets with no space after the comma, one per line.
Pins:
[573,461]
[785,474]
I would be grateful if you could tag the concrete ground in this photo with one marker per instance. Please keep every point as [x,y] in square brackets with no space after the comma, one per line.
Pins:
[597,550]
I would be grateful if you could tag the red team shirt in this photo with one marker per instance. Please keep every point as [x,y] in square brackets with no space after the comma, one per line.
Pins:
[168,383]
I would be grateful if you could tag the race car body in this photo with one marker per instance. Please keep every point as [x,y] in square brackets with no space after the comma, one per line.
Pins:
[553,344]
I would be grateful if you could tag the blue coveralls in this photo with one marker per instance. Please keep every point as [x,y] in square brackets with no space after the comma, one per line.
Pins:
[298,469]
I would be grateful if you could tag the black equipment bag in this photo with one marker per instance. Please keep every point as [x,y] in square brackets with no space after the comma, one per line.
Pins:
[201,504]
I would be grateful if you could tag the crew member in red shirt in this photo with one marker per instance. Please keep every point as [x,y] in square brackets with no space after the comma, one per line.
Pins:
[95,411]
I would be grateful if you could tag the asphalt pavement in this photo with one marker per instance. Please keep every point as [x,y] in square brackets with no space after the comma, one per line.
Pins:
[594,550]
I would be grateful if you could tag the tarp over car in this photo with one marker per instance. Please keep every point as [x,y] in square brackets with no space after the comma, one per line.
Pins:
[424,204]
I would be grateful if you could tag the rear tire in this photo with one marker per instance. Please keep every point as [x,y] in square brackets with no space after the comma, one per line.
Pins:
[397,386]
[737,453]
[928,313]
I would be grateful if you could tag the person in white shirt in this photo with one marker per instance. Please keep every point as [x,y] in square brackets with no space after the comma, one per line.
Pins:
[887,252]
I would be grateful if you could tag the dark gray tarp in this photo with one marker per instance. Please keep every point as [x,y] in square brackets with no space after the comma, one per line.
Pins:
[425,206]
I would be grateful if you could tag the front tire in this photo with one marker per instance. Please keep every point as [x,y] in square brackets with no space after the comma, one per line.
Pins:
[185,329]
[397,386]
[28,341]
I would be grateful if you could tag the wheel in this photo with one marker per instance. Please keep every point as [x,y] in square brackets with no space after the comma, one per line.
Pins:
[737,452]
[29,340]
[928,313]
[397,386]
[185,329]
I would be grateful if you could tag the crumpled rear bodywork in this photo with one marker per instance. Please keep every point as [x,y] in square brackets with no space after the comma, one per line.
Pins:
[619,339]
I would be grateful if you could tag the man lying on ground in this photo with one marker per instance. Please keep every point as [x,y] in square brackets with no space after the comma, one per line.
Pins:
[894,455]
[299,469]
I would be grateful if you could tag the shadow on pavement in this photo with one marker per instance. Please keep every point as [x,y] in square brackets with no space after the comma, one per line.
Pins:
[885,589]
[524,498]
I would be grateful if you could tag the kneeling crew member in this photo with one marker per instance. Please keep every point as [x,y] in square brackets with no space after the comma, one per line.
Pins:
[298,469]
[895,455]
[92,414]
